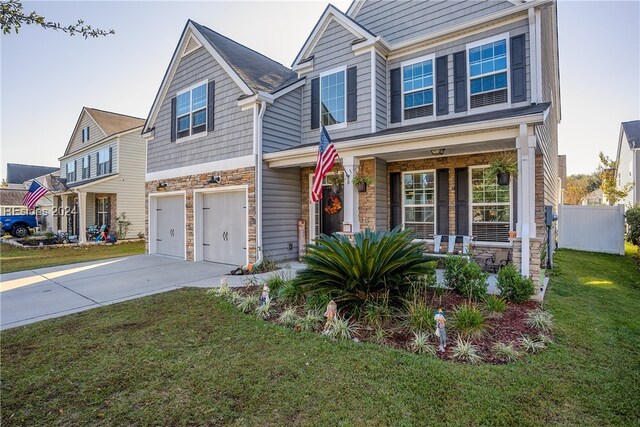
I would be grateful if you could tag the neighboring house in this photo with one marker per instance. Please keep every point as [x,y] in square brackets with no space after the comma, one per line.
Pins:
[17,173]
[596,197]
[11,201]
[44,211]
[420,96]
[628,159]
[102,174]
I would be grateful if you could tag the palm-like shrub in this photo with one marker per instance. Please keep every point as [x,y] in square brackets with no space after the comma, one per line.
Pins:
[376,264]
[469,321]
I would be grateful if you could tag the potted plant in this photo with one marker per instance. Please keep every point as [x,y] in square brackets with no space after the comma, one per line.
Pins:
[361,182]
[502,168]
[335,182]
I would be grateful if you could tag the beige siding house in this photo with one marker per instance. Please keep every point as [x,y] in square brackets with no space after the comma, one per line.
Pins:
[102,174]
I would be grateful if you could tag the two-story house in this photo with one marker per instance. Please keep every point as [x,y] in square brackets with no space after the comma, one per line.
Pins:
[628,161]
[102,171]
[420,96]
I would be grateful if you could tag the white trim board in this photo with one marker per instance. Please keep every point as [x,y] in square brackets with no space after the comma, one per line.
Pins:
[218,165]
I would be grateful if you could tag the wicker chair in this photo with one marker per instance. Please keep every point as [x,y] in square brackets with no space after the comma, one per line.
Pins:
[501,258]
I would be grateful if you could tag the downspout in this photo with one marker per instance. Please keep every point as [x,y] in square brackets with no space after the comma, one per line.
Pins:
[257,150]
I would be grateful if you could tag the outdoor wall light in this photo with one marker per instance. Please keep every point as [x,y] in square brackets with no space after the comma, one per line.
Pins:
[438,152]
[162,186]
[215,179]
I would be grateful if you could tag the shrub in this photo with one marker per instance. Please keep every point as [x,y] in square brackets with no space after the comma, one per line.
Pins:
[380,335]
[465,351]
[495,305]
[632,217]
[264,311]
[247,303]
[275,283]
[317,301]
[291,292]
[342,329]
[541,320]
[376,312]
[469,321]
[420,344]
[419,316]
[545,339]
[513,286]
[310,321]
[377,263]
[224,291]
[289,317]
[506,352]
[530,345]
[465,277]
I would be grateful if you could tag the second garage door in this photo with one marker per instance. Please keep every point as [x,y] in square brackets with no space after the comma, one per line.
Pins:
[224,227]
[170,226]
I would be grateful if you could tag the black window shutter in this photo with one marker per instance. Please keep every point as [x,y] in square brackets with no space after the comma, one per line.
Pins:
[211,93]
[97,163]
[352,94]
[396,95]
[110,159]
[395,187]
[462,201]
[442,200]
[460,81]
[88,137]
[173,119]
[315,103]
[518,69]
[442,86]
[97,222]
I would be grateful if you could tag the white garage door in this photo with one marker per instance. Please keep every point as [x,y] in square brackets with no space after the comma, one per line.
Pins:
[224,227]
[170,226]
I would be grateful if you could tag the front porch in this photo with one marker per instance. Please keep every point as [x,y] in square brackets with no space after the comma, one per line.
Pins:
[77,212]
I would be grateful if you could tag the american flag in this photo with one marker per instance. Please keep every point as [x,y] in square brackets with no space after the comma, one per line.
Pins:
[326,157]
[36,191]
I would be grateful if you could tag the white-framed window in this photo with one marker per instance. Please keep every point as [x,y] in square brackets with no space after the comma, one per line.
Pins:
[85,167]
[488,62]
[490,207]
[85,134]
[104,161]
[71,171]
[333,98]
[103,216]
[418,202]
[191,110]
[417,88]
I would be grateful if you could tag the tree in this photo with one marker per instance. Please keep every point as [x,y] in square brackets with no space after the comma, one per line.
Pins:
[578,186]
[12,17]
[607,171]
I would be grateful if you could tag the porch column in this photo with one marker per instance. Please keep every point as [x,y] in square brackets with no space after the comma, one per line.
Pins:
[350,195]
[526,226]
[82,219]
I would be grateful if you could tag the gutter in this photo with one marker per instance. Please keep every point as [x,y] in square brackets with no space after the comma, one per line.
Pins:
[257,150]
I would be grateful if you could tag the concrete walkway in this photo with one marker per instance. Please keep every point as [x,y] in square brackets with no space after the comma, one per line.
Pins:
[34,295]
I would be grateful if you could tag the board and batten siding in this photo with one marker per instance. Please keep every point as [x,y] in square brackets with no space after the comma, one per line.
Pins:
[381,195]
[281,211]
[93,167]
[399,21]
[95,134]
[281,123]
[512,29]
[233,134]
[334,51]
[381,93]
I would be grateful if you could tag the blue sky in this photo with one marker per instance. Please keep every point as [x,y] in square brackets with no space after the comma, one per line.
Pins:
[47,77]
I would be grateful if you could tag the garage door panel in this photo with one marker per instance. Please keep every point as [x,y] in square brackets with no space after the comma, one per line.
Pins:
[224,227]
[170,226]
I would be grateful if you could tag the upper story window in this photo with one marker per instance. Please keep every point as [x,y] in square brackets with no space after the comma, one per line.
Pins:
[191,111]
[104,161]
[488,73]
[85,167]
[417,89]
[71,171]
[85,134]
[490,207]
[418,198]
[333,100]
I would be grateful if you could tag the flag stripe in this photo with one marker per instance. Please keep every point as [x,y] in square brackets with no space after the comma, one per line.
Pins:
[327,155]
[36,191]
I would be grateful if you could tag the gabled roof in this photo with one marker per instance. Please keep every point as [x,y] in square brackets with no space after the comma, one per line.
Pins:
[329,14]
[632,130]
[17,173]
[250,70]
[109,122]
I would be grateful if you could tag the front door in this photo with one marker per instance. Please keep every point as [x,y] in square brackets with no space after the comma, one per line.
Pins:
[330,222]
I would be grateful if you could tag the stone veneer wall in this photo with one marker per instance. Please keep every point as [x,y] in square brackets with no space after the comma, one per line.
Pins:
[243,176]
[367,199]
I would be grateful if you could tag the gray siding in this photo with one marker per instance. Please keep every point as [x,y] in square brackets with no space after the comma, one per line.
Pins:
[381,195]
[381,93]
[281,123]
[93,168]
[420,18]
[333,51]
[95,134]
[281,211]
[513,29]
[233,134]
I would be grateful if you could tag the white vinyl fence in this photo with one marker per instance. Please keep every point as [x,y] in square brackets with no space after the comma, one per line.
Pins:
[591,228]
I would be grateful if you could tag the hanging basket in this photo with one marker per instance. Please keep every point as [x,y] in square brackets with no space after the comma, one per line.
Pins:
[362,187]
[503,178]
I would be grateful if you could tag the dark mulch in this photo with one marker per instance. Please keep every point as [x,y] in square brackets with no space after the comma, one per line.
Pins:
[507,327]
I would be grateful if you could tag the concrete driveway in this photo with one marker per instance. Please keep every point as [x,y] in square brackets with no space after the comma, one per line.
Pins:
[30,296]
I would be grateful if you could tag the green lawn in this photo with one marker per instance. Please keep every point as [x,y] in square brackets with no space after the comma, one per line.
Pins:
[184,357]
[13,258]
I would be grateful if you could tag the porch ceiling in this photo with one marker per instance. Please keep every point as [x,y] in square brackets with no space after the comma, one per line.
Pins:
[451,150]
